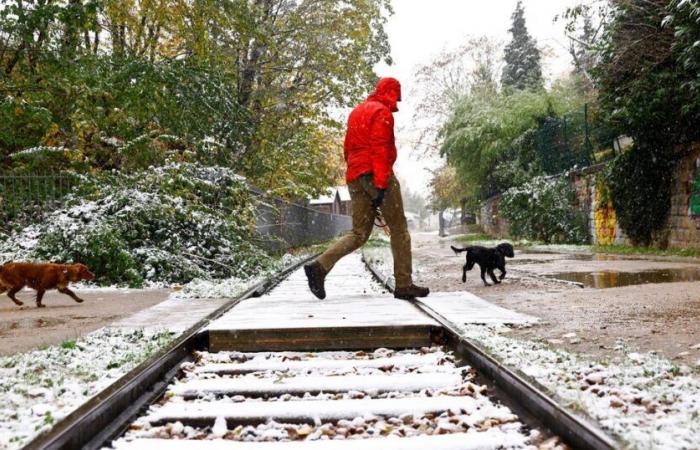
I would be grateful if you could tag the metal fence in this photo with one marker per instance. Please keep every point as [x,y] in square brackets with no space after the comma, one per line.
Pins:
[284,225]
[575,139]
[26,196]
[281,224]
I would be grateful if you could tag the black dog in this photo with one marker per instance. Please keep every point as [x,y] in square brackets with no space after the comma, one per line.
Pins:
[488,259]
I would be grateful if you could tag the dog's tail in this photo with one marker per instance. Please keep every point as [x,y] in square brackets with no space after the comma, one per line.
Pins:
[459,250]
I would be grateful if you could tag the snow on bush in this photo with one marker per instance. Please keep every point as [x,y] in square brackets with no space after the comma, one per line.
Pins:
[43,386]
[544,209]
[170,224]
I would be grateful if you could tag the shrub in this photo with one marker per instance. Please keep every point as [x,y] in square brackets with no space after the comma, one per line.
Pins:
[543,209]
[640,184]
[170,224]
[15,114]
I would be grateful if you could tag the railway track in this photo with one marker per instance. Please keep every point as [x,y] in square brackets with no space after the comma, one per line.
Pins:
[285,372]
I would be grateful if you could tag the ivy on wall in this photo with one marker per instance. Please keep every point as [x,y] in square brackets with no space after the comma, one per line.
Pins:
[640,183]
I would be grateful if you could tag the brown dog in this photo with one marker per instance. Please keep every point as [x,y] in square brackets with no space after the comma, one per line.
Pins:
[41,277]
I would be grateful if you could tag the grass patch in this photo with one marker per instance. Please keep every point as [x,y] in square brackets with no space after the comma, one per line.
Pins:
[374,243]
[69,345]
[474,237]
[570,248]
[628,250]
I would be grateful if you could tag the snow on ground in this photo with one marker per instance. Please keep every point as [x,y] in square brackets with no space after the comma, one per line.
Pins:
[43,386]
[234,286]
[648,401]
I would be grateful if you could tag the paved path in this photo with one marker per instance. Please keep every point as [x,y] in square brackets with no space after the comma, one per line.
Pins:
[28,327]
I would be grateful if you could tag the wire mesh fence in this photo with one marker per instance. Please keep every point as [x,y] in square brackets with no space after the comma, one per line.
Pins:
[24,197]
[281,224]
[575,139]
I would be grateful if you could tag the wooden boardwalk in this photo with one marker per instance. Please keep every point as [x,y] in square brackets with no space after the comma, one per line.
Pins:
[356,314]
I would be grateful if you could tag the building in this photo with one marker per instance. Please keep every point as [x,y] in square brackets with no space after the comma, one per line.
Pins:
[336,201]
[345,201]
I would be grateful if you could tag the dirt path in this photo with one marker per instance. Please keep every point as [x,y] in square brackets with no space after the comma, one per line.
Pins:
[28,327]
[661,317]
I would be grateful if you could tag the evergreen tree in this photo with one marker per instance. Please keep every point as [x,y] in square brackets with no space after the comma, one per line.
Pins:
[523,68]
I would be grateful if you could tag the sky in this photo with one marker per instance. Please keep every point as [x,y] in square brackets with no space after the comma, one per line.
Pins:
[420,29]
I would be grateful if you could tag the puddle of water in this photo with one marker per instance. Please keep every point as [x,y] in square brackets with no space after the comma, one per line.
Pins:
[611,279]
[572,256]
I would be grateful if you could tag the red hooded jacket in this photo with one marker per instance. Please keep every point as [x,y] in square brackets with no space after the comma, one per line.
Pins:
[369,141]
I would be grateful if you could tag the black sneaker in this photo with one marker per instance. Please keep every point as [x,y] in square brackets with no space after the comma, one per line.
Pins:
[316,275]
[411,292]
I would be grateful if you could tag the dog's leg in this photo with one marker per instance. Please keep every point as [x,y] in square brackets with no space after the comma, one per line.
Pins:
[39,296]
[483,277]
[71,294]
[464,274]
[503,272]
[493,276]
[12,293]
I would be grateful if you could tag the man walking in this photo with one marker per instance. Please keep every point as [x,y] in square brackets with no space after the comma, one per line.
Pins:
[370,153]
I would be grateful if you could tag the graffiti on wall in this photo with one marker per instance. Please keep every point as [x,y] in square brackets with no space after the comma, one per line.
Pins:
[604,217]
[694,202]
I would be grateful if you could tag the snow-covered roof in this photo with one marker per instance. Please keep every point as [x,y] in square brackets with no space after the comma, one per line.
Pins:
[341,191]
[324,199]
[344,193]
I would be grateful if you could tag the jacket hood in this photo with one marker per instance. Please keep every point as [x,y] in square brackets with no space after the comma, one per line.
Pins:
[388,92]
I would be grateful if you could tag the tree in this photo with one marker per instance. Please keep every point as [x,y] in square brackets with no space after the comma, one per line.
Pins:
[584,25]
[453,74]
[445,189]
[523,69]
[649,86]
[247,84]
[488,138]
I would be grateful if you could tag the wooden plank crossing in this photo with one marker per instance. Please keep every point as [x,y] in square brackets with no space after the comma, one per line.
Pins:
[355,315]
[466,308]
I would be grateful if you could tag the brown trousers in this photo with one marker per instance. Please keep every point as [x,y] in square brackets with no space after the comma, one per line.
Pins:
[362,192]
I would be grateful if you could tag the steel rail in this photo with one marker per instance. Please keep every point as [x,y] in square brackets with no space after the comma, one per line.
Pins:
[579,432]
[106,415]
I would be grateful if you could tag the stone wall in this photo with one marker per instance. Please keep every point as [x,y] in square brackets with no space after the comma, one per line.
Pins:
[683,231]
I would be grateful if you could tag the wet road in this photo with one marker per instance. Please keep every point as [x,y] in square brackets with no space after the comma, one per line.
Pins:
[639,303]
[28,327]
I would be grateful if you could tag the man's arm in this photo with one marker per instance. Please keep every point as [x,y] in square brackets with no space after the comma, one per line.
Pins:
[381,143]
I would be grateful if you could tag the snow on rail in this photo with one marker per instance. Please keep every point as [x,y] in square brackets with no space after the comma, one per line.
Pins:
[262,364]
[254,386]
[325,410]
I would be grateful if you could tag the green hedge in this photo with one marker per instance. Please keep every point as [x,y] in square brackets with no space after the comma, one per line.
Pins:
[543,209]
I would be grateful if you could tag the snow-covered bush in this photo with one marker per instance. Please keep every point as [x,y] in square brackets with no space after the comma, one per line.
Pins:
[169,224]
[544,209]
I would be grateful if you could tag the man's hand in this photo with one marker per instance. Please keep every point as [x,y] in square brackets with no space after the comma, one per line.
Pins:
[379,199]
